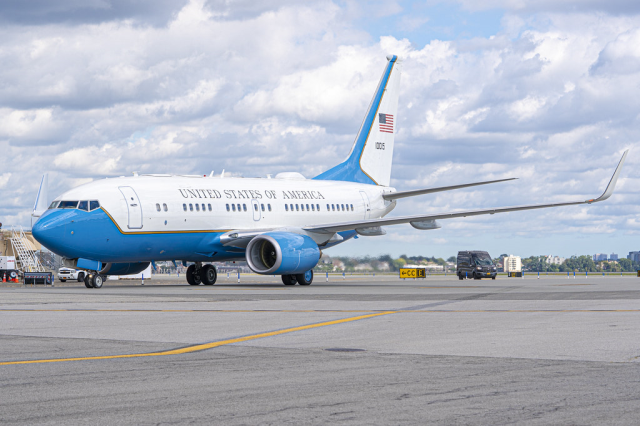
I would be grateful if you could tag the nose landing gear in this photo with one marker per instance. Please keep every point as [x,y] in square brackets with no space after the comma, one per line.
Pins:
[94,280]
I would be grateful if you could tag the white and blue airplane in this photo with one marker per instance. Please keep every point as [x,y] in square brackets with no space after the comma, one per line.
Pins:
[279,225]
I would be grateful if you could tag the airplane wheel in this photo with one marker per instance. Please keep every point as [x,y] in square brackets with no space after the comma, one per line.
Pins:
[193,277]
[87,281]
[209,275]
[97,280]
[81,276]
[306,278]
[289,279]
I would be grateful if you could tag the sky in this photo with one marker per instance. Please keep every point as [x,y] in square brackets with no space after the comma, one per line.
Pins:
[545,91]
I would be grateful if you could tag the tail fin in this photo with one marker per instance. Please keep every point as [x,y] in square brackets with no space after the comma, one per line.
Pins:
[370,158]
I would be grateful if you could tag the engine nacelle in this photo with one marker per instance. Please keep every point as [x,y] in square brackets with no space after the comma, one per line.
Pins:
[123,268]
[282,253]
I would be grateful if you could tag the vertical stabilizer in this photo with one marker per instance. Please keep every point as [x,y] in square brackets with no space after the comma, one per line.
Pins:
[370,158]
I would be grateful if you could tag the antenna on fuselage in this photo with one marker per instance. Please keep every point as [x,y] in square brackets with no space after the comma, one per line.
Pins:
[211,174]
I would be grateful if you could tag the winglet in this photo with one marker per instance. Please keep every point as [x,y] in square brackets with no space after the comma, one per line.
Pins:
[612,183]
[40,206]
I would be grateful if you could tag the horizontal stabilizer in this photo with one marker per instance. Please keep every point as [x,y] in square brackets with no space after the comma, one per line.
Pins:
[413,193]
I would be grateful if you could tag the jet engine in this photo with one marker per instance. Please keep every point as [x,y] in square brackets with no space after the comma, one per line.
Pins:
[282,253]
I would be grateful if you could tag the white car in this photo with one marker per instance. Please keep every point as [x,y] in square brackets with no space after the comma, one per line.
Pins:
[65,274]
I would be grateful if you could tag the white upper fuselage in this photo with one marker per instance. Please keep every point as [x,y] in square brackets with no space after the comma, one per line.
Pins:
[229,203]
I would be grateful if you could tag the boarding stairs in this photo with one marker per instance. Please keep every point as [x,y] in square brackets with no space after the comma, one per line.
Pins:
[24,251]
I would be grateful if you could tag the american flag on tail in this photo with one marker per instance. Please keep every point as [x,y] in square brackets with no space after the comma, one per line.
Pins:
[386,123]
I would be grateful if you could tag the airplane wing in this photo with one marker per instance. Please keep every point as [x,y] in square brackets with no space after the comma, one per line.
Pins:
[347,226]
[413,193]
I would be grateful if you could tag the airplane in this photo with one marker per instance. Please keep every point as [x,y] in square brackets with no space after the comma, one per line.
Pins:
[279,225]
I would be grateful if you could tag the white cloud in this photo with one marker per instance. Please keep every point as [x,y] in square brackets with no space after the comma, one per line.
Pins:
[259,89]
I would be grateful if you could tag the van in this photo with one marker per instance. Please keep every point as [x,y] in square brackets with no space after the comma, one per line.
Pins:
[475,264]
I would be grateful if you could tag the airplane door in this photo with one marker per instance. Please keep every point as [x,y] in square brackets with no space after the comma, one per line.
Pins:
[133,206]
[367,206]
[256,210]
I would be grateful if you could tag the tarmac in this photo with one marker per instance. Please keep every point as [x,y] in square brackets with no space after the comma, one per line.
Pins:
[358,350]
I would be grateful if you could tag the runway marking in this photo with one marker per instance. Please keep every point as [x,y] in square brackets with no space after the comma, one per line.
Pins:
[201,347]
[457,286]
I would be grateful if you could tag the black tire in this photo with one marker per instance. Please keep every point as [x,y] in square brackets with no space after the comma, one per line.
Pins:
[475,277]
[460,277]
[493,278]
[209,275]
[81,276]
[63,281]
[97,281]
[306,278]
[289,280]
[193,277]
[87,281]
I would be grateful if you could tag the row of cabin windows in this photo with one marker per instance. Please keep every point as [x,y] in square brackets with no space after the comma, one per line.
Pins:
[316,207]
[204,208]
[164,207]
[87,206]
[243,207]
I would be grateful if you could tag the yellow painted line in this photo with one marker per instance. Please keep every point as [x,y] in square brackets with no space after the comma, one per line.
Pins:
[202,347]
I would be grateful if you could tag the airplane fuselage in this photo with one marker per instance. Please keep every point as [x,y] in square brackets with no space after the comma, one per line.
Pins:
[163,217]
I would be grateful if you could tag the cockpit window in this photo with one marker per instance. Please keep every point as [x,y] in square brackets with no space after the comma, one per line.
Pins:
[54,204]
[68,205]
[83,205]
[93,205]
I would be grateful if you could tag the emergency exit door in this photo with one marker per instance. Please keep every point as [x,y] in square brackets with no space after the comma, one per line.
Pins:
[133,206]
[367,205]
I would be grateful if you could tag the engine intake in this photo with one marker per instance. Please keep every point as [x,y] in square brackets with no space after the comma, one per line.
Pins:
[281,253]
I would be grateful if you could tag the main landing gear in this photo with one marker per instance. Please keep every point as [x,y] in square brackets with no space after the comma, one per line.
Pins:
[94,280]
[302,279]
[201,274]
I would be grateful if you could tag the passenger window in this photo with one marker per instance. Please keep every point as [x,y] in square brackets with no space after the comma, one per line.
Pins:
[333,207]
[227,207]
[313,208]
[234,207]
[203,209]
[164,207]
[184,207]
[93,205]
[209,206]
[255,207]
[197,207]
[157,206]
[297,207]
[307,207]
[351,207]
[244,207]
[302,207]
[286,207]
[318,207]
[262,207]
[269,207]
[191,206]
[83,205]
[328,209]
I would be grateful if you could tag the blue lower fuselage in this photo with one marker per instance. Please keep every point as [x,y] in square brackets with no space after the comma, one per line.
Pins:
[93,235]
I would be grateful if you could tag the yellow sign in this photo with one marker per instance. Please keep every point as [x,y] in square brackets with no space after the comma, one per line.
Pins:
[412,273]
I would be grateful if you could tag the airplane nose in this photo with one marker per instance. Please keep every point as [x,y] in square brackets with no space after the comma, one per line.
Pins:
[49,231]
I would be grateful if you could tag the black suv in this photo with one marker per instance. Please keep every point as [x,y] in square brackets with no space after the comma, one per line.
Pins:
[476,265]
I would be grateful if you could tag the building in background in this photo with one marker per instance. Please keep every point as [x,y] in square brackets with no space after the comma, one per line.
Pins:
[634,256]
[613,256]
[555,260]
[512,263]
[598,257]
